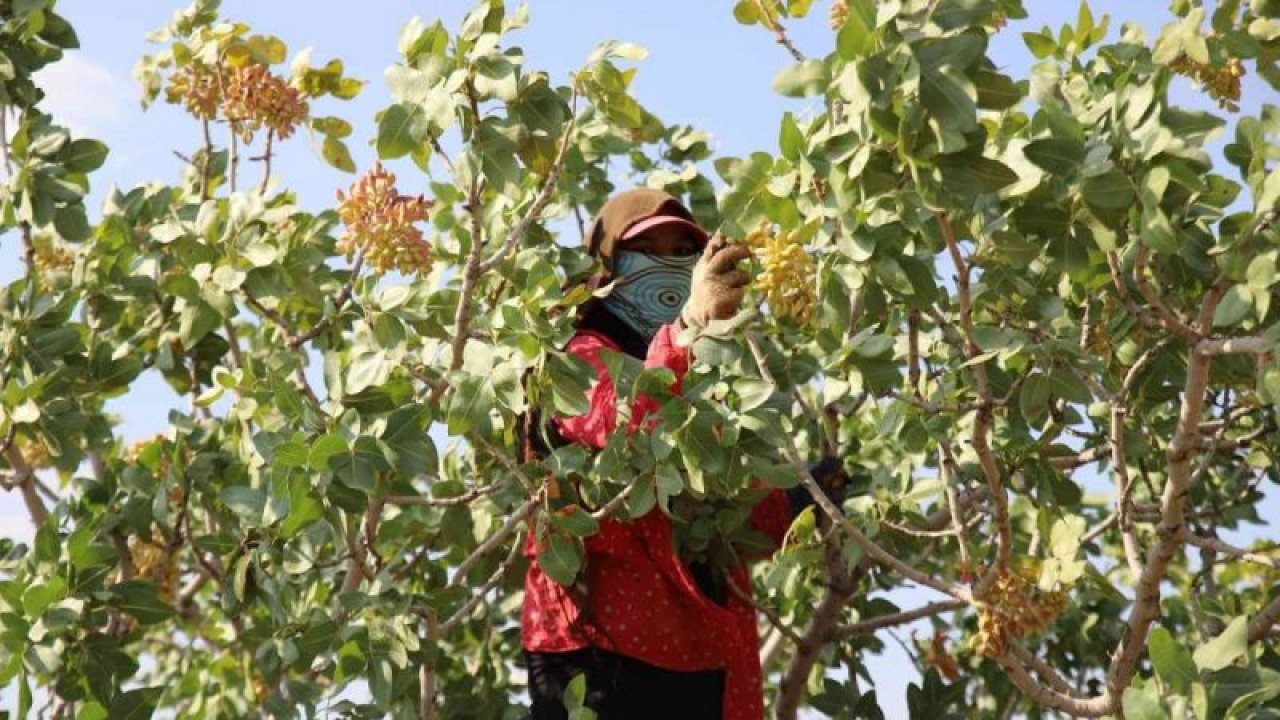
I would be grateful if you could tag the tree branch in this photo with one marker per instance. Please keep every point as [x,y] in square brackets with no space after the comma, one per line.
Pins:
[1217,545]
[871,625]
[1168,320]
[779,32]
[544,193]
[23,480]
[983,417]
[1253,345]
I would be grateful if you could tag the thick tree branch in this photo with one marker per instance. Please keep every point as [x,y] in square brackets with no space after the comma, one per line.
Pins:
[1169,530]
[1253,345]
[1262,623]
[24,481]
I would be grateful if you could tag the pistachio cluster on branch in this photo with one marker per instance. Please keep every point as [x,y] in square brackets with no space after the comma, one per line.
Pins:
[380,221]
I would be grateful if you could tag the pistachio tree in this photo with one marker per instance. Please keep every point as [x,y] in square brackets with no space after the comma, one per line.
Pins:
[1027,308]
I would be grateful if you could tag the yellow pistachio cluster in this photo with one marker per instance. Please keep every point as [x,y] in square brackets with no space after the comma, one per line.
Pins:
[380,222]
[153,560]
[255,99]
[1221,83]
[35,453]
[1015,608]
[788,275]
[839,13]
[49,257]
[195,87]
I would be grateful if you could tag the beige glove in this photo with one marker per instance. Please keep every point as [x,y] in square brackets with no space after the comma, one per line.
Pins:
[717,286]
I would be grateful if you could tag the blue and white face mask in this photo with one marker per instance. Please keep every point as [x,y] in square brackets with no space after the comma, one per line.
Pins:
[651,289]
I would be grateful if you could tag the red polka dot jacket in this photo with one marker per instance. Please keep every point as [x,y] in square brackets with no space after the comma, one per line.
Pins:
[643,601]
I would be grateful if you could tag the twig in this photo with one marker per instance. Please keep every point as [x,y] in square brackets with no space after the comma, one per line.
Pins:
[510,526]
[344,295]
[237,360]
[779,32]
[618,500]
[427,676]
[463,499]
[871,625]
[205,161]
[1125,487]
[1054,699]
[266,163]
[945,463]
[471,271]
[1217,545]
[542,198]
[868,546]
[489,585]
[769,614]
[983,418]
[1171,322]
[233,161]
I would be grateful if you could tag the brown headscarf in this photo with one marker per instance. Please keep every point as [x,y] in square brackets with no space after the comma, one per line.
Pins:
[621,212]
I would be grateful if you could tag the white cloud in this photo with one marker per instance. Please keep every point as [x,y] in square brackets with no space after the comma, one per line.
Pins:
[83,95]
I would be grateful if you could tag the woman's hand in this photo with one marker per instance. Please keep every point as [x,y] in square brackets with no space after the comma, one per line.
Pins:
[717,286]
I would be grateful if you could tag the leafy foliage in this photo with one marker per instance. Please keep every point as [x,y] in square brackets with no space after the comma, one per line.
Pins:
[1028,314]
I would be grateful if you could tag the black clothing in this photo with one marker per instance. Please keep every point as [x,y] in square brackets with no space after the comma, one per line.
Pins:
[622,688]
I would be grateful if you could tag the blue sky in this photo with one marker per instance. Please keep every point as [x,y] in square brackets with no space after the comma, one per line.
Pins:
[703,69]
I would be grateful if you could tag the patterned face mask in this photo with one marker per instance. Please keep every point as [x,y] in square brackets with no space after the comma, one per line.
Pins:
[651,289]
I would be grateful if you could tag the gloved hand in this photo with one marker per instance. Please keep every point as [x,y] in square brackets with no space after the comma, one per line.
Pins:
[717,286]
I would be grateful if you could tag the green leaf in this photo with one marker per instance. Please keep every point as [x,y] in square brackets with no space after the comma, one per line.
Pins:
[1261,273]
[324,448]
[136,704]
[1236,305]
[790,139]
[950,97]
[560,557]
[953,14]
[1172,662]
[802,79]
[335,152]
[413,451]
[304,508]
[401,129]
[41,595]
[247,502]
[1140,705]
[857,37]
[1061,156]
[138,598]
[83,156]
[1033,399]
[1110,190]
[1225,649]
[1039,45]
[575,521]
